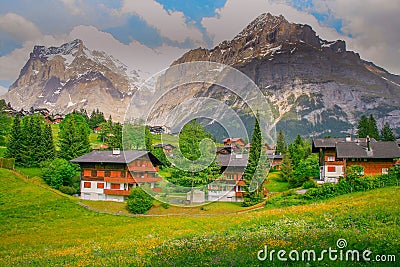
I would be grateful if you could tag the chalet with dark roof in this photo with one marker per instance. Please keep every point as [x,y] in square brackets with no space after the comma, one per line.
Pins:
[337,154]
[110,175]
[229,187]
[236,143]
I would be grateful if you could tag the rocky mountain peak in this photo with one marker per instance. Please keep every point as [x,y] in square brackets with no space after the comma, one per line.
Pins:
[264,37]
[72,48]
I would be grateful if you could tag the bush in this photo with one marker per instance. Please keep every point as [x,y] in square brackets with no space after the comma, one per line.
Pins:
[165,205]
[69,190]
[310,184]
[58,172]
[139,202]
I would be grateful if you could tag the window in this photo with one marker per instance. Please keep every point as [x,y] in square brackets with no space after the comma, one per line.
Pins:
[331,169]
[385,170]
[115,186]
[230,176]
[331,158]
[106,173]
[100,185]
[86,172]
[87,184]
[94,173]
[100,173]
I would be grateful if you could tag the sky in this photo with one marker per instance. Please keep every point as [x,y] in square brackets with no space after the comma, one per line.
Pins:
[147,35]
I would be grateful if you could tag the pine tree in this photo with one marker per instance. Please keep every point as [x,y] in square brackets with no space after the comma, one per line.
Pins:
[373,131]
[281,147]
[363,127]
[148,139]
[252,176]
[74,137]
[286,168]
[387,133]
[47,144]
[26,141]
[14,146]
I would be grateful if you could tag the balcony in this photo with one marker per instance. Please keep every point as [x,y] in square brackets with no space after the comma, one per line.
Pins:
[119,180]
[140,180]
[143,169]
[116,192]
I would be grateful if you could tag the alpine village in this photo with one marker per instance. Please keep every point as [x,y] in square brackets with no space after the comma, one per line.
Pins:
[88,189]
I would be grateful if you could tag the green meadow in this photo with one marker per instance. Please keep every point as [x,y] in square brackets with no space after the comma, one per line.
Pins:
[42,227]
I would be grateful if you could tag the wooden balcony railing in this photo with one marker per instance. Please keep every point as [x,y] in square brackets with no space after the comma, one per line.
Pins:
[116,192]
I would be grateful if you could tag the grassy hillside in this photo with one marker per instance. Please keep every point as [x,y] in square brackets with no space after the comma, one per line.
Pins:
[39,226]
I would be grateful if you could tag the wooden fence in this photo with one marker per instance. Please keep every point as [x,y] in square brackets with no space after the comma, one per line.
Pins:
[7,163]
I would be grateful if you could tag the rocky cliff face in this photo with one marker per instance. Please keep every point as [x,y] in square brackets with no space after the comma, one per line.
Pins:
[315,87]
[72,77]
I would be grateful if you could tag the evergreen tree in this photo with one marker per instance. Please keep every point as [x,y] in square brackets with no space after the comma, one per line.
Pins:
[281,147]
[47,145]
[363,127]
[387,133]
[286,168]
[74,137]
[299,150]
[373,131]
[96,118]
[252,176]
[14,145]
[27,139]
[190,137]
[148,139]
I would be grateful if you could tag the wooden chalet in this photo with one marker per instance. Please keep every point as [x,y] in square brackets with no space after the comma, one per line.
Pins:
[237,144]
[110,175]
[229,186]
[167,148]
[337,154]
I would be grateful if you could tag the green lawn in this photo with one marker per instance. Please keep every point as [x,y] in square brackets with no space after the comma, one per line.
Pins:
[166,139]
[41,227]
[29,172]
[274,184]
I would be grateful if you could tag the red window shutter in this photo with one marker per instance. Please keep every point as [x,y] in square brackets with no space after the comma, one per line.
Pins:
[100,185]
[87,184]
[331,169]
[87,172]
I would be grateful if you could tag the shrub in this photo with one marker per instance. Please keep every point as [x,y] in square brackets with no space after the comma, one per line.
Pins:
[139,202]
[58,172]
[69,190]
[165,205]
[310,184]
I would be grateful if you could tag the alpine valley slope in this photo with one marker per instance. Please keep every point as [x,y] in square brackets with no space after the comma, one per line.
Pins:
[314,87]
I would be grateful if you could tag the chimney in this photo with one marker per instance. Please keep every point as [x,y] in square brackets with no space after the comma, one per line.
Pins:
[348,138]
[116,151]
[368,143]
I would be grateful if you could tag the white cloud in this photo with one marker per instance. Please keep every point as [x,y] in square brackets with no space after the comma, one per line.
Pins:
[374,26]
[170,24]
[18,28]
[3,90]
[135,55]
[73,6]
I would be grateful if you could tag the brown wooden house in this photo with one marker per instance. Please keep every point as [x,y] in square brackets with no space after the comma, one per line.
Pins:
[337,154]
[109,175]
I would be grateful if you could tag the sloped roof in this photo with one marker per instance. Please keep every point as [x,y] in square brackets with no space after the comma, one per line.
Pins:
[235,139]
[106,156]
[331,142]
[378,150]
[233,160]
